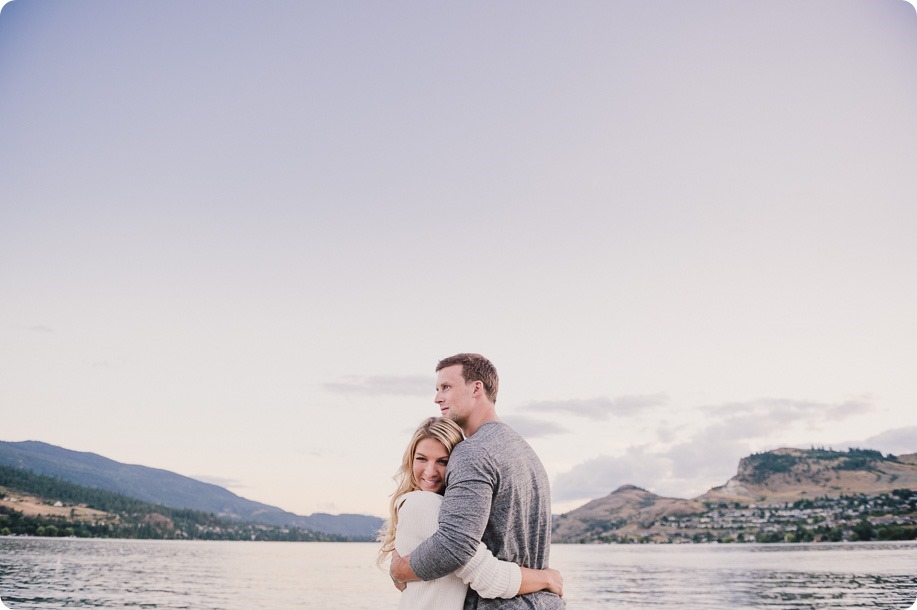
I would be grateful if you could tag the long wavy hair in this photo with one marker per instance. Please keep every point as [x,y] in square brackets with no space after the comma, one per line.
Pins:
[439,429]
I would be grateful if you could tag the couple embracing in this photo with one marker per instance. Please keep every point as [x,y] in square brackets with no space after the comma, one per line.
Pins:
[476,534]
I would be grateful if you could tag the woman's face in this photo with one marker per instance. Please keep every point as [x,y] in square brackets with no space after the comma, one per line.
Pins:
[430,459]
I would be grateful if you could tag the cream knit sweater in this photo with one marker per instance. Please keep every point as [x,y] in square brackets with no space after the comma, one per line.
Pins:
[418,518]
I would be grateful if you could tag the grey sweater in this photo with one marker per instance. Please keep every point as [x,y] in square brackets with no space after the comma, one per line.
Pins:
[496,492]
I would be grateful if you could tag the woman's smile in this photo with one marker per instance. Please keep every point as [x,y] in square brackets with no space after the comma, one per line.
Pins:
[429,468]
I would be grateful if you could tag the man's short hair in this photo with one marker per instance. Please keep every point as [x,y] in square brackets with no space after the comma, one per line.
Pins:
[475,367]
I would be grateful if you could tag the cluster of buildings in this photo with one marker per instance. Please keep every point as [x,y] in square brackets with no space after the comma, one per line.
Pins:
[890,516]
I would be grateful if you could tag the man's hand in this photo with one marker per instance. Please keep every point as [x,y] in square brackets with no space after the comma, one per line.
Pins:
[400,570]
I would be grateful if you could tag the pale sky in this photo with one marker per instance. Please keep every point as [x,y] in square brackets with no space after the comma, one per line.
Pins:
[235,238]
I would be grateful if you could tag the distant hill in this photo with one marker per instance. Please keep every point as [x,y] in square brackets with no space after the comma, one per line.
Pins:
[172,490]
[781,495]
[37,505]
[787,475]
[628,509]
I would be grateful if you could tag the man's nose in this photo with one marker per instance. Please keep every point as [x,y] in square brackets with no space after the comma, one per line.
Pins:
[438,398]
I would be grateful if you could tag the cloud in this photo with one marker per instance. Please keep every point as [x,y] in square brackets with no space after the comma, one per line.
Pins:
[897,441]
[684,471]
[666,433]
[219,481]
[790,407]
[318,453]
[531,427]
[710,457]
[601,407]
[39,328]
[600,476]
[393,385]
[763,417]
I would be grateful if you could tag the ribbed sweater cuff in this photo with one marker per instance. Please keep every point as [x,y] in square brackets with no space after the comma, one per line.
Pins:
[491,577]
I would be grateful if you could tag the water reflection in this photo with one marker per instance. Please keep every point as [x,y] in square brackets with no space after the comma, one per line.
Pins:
[50,573]
[740,576]
[60,573]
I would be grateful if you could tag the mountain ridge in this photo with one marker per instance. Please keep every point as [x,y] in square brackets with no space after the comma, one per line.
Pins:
[158,486]
[32,504]
[781,476]
[774,496]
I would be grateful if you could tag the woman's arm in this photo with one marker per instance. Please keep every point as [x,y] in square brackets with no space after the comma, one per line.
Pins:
[492,578]
[489,576]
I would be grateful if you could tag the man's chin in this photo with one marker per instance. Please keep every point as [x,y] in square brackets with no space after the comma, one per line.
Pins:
[459,421]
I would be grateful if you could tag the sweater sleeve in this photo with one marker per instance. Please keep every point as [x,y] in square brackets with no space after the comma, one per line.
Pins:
[462,518]
[489,576]
[418,518]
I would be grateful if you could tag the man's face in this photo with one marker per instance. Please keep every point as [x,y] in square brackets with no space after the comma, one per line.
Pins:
[453,395]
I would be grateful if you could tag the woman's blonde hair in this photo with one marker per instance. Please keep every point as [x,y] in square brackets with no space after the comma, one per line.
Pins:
[439,429]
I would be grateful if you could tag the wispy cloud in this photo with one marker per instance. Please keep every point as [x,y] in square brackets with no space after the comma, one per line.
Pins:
[710,456]
[219,481]
[313,453]
[684,471]
[666,433]
[897,441]
[531,427]
[600,476]
[791,406]
[392,385]
[763,417]
[600,408]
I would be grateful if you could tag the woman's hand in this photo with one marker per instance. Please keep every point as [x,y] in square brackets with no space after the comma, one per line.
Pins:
[399,584]
[547,579]
[554,581]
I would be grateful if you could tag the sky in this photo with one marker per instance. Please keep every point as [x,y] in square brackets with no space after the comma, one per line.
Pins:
[235,238]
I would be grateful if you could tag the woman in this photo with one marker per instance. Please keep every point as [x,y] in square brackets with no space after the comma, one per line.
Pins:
[414,516]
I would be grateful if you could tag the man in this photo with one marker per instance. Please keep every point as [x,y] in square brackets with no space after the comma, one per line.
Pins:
[496,490]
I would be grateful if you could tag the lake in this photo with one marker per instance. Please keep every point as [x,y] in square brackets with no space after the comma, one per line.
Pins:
[57,573]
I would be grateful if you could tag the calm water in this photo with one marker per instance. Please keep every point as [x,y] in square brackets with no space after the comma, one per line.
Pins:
[74,573]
